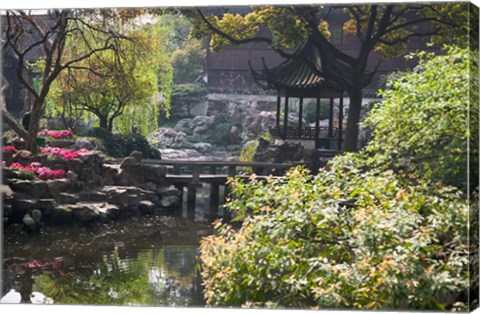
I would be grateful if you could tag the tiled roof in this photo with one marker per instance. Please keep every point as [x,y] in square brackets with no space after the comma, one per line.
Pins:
[302,71]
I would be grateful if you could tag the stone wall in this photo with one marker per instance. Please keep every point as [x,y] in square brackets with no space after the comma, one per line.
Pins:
[93,191]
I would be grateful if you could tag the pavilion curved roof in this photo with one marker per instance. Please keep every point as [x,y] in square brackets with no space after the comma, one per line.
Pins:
[300,74]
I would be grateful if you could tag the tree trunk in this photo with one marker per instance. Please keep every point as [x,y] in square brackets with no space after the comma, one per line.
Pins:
[355,108]
[103,122]
[35,115]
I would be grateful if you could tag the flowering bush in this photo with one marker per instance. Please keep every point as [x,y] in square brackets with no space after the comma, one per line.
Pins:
[9,148]
[56,134]
[43,173]
[64,153]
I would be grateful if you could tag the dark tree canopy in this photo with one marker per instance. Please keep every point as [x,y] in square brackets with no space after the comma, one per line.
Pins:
[384,28]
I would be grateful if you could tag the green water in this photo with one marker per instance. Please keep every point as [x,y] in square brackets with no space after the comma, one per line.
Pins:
[137,261]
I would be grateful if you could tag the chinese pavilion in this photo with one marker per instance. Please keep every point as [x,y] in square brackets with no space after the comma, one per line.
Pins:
[300,77]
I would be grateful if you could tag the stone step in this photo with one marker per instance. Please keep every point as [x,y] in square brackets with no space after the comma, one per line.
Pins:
[85,212]
[92,196]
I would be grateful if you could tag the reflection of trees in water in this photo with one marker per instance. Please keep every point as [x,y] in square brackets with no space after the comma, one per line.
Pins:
[153,277]
[107,265]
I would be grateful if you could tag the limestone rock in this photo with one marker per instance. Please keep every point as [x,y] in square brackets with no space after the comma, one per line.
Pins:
[167,137]
[37,216]
[62,143]
[116,196]
[168,191]
[169,201]
[75,165]
[84,212]
[87,174]
[129,162]
[84,143]
[35,188]
[67,198]
[92,196]
[6,192]
[29,223]
[137,155]
[146,207]
[203,147]
[62,214]
[153,173]
[24,204]
[23,154]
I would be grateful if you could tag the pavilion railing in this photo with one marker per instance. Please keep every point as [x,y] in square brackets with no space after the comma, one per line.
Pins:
[305,132]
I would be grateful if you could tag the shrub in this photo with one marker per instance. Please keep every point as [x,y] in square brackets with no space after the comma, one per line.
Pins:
[340,239]
[421,124]
[185,97]
[226,130]
[122,145]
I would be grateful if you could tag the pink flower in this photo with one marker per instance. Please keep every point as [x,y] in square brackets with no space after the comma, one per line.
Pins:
[58,174]
[4,163]
[9,148]
[44,173]
[64,153]
[35,165]
[16,165]
[56,134]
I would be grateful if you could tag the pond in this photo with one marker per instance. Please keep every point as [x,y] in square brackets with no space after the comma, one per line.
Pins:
[148,260]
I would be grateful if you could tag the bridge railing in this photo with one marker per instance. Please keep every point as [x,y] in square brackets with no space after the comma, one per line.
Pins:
[196,168]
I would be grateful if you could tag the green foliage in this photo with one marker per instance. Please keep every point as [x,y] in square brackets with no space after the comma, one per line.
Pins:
[248,151]
[188,61]
[310,111]
[122,145]
[184,97]
[379,229]
[344,238]
[421,123]
[25,175]
[116,281]
[222,130]
[121,86]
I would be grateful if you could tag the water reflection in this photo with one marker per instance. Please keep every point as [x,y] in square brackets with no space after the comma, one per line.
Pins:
[140,261]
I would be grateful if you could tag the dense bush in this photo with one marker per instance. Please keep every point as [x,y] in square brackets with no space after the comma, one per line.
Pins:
[380,229]
[422,125]
[122,145]
[226,130]
[184,98]
[340,239]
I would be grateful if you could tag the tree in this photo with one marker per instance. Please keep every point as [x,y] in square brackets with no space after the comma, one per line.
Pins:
[25,33]
[384,28]
[127,78]
[420,125]
[185,97]
[188,61]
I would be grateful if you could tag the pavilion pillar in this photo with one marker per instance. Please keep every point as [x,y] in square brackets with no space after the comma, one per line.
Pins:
[330,120]
[285,118]
[317,123]
[340,123]
[300,118]
[278,110]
